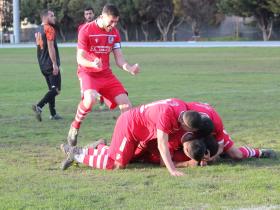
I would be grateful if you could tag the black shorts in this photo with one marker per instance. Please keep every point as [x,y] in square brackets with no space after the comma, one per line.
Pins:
[52,80]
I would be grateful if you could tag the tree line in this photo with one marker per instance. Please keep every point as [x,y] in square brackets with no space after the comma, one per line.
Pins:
[140,16]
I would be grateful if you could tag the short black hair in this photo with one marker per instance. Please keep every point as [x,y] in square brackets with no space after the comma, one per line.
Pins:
[89,8]
[211,145]
[197,149]
[206,128]
[192,119]
[111,9]
[44,13]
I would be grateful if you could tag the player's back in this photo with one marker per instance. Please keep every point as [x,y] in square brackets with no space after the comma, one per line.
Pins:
[162,115]
[43,34]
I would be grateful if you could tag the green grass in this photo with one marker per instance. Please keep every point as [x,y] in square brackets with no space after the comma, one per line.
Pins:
[241,83]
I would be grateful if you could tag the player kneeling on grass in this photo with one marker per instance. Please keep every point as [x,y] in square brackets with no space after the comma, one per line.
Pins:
[141,124]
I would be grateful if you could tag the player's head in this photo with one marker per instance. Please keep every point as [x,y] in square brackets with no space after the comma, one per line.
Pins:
[190,121]
[195,149]
[212,145]
[88,14]
[206,127]
[110,16]
[47,16]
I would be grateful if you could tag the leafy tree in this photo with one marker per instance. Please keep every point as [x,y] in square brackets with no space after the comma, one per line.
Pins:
[7,14]
[179,17]
[198,12]
[128,15]
[146,14]
[165,16]
[260,9]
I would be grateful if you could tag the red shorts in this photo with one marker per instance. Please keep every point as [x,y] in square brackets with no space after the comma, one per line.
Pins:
[123,145]
[228,143]
[106,85]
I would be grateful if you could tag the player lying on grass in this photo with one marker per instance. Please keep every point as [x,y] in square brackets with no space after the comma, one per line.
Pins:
[226,145]
[191,152]
[155,120]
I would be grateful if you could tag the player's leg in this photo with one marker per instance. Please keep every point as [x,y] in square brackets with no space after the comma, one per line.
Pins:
[89,98]
[241,152]
[55,83]
[123,145]
[115,94]
[123,102]
[95,157]
[47,97]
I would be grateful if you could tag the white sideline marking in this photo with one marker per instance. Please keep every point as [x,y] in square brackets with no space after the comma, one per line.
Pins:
[181,44]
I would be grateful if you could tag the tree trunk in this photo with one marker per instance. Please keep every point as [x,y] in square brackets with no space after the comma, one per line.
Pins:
[164,28]
[62,34]
[145,32]
[266,27]
[174,29]
[196,30]
[136,34]
[125,32]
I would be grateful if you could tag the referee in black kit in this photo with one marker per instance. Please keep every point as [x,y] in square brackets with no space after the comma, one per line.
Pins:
[49,62]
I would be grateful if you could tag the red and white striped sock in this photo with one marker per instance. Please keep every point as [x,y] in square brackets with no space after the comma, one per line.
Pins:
[90,150]
[96,158]
[248,152]
[82,111]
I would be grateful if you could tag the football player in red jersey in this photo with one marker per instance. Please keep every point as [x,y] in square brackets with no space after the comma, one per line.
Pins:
[156,120]
[226,145]
[96,40]
[88,16]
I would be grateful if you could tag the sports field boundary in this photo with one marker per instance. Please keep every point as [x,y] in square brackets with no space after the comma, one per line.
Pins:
[186,44]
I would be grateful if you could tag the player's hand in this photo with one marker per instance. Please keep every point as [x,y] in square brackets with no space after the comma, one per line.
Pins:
[55,69]
[176,173]
[135,69]
[97,63]
[203,163]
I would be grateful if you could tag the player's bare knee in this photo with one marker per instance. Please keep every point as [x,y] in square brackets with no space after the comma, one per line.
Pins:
[89,99]
[125,107]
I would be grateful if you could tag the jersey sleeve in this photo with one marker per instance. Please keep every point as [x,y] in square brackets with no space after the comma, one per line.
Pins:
[83,41]
[117,43]
[50,32]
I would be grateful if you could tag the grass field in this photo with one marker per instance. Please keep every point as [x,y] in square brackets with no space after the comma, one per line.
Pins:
[241,83]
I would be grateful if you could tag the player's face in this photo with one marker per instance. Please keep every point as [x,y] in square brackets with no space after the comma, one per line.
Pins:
[89,15]
[186,148]
[51,17]
[109,21]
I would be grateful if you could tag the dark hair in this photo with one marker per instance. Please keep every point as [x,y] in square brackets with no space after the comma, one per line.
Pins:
[89,8]
[44,13]
[111,9]
[211,145]
[197,149]
[192,119]
[206,127]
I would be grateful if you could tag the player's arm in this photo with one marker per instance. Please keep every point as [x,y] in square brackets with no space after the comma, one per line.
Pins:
[84,61]
[51,50]
[121,62]
[162,140]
